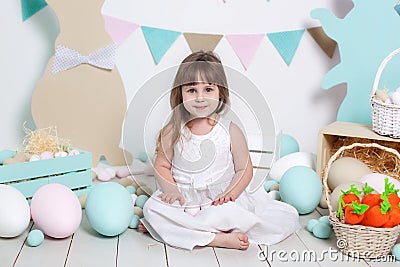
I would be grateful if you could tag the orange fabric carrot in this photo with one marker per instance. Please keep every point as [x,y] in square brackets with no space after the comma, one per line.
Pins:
[371,199]
[354,212]
[377,216]
[391,192]
[347,197]
[394,218]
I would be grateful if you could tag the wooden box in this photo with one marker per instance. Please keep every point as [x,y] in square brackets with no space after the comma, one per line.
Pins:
[331,133]
[72,171]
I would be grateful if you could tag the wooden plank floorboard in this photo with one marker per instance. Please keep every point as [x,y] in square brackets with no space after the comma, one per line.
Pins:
[199,257]
[52,252]
[11,247]
[326,251]
[232,257]
[135,247]
[88,248]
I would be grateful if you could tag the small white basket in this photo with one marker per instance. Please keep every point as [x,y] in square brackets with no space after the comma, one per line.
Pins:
[385,116]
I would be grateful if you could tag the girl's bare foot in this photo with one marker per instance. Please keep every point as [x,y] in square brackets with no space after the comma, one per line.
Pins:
[142,228]
[230,240]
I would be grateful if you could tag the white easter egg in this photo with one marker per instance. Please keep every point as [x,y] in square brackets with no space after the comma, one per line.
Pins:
[293,159]
[105,174]
[396,98]
[46,155]
[346,169]
[377,181]
[73,152]
[34,157]
[60,154]
[14,212]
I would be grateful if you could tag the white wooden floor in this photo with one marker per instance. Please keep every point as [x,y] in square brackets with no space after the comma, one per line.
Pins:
[132,248]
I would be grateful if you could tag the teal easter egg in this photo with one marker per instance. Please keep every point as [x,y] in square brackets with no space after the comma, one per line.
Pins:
[35,238]
[131,189]
[396,251]
[310,224]
[322,230]
[268,184]
[288,145]
[134,222]
[325,219]
[301,187]
[109,208]
[143,156]
[141,200]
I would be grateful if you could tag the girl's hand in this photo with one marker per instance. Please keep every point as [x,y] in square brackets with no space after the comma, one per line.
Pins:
[171,197]
[223,198]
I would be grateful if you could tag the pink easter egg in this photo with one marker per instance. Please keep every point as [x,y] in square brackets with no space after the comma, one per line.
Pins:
[123,172]
[377,181]
[134,197]
[46,155]
[105,174]
[56,210]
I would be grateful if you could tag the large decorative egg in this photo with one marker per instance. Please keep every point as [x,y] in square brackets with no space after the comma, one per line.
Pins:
[288,145]
[346,169]
[301,187]
[109,208]
[14,212]
[289,161]
[377,181]
[56,210]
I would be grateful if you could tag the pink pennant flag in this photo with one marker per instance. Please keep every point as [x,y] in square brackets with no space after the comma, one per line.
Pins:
[118,29]
[245,46]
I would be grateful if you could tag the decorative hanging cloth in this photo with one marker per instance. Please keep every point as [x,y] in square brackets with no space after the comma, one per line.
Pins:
[66,58]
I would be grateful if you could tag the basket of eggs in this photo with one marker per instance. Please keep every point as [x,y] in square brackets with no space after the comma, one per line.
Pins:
[366,223]
[385,109]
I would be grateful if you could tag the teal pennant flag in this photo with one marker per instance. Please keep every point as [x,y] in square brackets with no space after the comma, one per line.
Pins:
[286,43]
[31,7]
[159,41]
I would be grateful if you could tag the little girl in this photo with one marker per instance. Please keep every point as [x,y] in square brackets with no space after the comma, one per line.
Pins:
[203,167]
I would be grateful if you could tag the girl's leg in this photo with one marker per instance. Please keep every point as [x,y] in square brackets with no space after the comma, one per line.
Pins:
[234,240]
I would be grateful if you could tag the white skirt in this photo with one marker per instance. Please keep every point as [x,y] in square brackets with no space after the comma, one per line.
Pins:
[263,220]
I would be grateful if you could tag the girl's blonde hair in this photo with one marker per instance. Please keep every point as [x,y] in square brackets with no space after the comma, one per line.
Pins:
[197,67]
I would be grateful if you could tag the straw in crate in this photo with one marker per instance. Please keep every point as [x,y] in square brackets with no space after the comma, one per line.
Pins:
[385,116]
[358,240]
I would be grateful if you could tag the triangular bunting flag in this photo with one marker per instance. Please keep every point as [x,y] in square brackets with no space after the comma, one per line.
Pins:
[159,41]
[245,46]
[327,44]
[31,7]
[286,43]
[205,42]
[118,29]
[397,8]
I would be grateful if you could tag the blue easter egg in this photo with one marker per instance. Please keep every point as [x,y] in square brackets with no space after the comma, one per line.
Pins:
[322,230]
[268,184]
[325,219]
[143,156]
[131,189]
[396,251]
[109,208]
[288,145]
[301,187]
[134,222]
[310,225]
[141,200]
[35,238]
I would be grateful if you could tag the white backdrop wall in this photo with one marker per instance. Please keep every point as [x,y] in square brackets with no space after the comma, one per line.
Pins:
[299,104]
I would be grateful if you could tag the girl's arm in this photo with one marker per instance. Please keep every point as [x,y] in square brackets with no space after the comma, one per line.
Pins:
[162,166]
[242,164]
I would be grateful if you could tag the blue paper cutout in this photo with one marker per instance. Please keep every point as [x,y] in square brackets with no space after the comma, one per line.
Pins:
[159,41]
[367,34]
[286,43]
[31,7]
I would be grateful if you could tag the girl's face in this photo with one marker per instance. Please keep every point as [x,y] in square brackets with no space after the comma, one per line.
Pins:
[200,99]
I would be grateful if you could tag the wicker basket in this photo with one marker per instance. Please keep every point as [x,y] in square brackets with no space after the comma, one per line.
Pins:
[385,116]
[357,240]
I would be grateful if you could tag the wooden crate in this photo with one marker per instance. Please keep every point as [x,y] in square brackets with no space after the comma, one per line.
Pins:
[72,171]
[331,133]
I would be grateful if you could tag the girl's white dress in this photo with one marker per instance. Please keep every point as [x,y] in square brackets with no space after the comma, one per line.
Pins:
[203,168]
